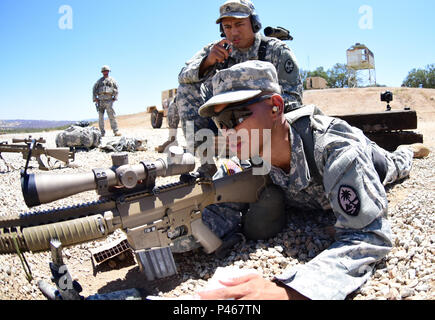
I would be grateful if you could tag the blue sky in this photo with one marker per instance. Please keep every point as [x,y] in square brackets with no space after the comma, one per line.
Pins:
[47,72]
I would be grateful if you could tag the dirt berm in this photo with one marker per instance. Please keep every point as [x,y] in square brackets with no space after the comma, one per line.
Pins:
[345,101]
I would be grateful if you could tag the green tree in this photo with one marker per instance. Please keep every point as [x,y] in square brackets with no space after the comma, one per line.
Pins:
[304,75]
[339,76]
[421,77]
[319,72]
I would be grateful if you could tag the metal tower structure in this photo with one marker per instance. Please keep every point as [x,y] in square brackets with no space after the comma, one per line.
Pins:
[361,65]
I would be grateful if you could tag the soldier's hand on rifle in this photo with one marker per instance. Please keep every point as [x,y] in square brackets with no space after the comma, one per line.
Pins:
[217,54]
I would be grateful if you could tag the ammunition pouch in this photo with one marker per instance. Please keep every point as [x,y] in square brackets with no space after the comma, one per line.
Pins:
[105,90]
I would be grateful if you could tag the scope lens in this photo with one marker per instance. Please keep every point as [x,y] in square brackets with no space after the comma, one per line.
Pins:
[28,188]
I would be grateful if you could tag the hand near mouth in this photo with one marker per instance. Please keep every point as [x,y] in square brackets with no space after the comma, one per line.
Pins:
[218,54]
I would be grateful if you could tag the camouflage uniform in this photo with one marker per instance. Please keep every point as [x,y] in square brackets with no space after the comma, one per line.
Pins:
[348,184]
[173,116]
[194,91]
[106,91]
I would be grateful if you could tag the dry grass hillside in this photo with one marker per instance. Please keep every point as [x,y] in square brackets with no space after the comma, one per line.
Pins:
[346,101]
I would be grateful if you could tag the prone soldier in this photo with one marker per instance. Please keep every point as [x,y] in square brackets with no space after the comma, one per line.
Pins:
[320,163]
[105,93]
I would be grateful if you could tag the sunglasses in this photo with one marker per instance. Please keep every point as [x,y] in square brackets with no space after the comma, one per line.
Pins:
[236,113]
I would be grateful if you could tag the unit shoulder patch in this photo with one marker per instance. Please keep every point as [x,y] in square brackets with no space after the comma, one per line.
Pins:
[349,201]
[289,66]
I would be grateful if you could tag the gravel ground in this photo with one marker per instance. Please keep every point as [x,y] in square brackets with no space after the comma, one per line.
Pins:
[406,273]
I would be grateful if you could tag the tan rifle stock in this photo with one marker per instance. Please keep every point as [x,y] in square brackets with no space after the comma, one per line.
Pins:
[62,154]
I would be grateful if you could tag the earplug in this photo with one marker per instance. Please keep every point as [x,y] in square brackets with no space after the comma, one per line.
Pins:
[275,109]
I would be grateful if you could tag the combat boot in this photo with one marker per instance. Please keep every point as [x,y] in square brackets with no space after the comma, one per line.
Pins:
[420,150]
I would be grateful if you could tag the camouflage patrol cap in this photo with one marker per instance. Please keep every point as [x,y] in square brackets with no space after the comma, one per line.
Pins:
[241,82]
[105,68]
[236,9]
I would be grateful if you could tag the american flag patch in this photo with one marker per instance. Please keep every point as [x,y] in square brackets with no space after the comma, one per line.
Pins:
[231,167]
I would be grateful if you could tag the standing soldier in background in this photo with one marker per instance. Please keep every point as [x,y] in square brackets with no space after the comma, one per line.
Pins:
[105,92]
[240,27]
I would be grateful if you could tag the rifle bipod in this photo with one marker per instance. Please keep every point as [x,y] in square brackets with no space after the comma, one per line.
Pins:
[69,289]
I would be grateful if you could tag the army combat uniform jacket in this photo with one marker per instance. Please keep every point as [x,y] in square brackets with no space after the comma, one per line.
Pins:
[349,184]
[105,89]
[264,49]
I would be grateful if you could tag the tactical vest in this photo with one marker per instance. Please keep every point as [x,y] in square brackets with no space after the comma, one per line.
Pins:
[262,51]
[261,54]
[105,87]
[300,120]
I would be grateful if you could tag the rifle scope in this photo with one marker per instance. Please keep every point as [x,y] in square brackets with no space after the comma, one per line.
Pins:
[46,188]
[278,32]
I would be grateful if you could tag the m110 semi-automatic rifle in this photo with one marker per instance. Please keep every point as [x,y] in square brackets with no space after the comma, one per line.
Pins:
[35,148]
[152,217]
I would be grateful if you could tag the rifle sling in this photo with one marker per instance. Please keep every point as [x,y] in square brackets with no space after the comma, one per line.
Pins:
[305,131]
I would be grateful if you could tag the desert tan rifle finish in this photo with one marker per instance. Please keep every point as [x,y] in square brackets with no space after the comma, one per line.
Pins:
[38,150]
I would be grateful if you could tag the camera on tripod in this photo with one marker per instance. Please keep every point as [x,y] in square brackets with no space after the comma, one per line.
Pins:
[387,97]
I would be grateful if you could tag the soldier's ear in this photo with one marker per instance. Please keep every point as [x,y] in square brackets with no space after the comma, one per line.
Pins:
[278,102]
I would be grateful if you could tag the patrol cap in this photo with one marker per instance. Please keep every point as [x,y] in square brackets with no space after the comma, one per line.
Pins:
[105,68]
[241,82]
[236,9]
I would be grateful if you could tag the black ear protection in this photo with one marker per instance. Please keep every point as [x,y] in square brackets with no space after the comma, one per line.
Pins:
[255,22]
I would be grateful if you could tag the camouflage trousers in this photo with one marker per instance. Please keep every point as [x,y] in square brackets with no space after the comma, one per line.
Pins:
[399,164]
[173,116]
[107,106]
[189,100]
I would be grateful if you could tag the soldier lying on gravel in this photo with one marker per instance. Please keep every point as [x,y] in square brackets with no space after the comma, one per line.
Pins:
[331,167]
